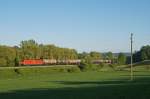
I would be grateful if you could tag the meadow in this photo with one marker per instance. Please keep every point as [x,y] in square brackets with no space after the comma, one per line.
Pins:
[77,85]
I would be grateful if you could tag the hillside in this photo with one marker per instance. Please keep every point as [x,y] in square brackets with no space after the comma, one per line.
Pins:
[144,65]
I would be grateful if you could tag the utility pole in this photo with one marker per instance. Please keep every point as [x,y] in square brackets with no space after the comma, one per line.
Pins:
[131,75]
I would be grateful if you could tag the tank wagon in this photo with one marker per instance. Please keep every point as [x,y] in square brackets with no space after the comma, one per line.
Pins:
[101,61]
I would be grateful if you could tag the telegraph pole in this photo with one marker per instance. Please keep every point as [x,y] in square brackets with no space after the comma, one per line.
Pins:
[131,75]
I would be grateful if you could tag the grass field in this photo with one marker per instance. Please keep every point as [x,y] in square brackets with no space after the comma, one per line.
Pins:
[82,85]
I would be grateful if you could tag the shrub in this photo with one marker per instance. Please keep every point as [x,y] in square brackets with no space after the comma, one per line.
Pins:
[90,67]
[84,66]
[71,70]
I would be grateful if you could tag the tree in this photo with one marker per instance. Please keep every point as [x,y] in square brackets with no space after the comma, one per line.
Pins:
[88,59]
[109,55]
[143,54]
[7,56]
[136,57]
[3,62]
[121,59]
[16,61]
[95,55]
[30,49]
[82,55]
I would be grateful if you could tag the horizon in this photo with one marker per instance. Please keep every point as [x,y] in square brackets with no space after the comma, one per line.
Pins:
[87,25]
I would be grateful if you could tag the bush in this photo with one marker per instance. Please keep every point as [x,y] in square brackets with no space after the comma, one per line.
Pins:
[71,70]
[84,66]
[90,67]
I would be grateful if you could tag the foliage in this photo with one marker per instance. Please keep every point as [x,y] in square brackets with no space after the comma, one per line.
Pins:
[83,66]
[72,70]
[89,57]
[30,49]
[121,59]
[143,54]
[7,56]
[109,55]
[95,55]
[90,67]
[3,62]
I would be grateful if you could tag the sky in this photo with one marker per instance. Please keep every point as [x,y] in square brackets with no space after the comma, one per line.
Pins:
[85,25]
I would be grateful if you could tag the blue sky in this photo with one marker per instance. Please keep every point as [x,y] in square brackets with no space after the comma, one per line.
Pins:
[99,25]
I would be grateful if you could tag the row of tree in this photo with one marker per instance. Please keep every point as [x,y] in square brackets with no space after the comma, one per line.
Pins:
[11,56]
[7,56]
[30,49]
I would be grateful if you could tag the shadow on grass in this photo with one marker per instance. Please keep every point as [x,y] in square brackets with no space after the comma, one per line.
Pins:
[138,89]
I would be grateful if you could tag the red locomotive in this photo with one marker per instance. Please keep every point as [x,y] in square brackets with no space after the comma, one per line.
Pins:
[32,62]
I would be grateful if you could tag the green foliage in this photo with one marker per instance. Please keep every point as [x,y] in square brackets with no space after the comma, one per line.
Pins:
[7,56]
[3,62]
[95,55]
[82,55]
[72,70]
[90,67]
[143,54]
[83,66]
[102,65]
[16,61]
[109,55]
[121,59]
[88,57]
[30,49]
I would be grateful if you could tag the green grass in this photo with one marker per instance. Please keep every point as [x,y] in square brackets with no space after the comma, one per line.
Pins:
[12,72]
[139,66]
[82,85]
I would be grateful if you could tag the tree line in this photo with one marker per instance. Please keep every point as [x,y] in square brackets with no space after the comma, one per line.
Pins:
[143,54]
[30,49]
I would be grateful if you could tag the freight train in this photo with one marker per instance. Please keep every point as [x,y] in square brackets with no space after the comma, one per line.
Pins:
[49,62]
[58,62]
